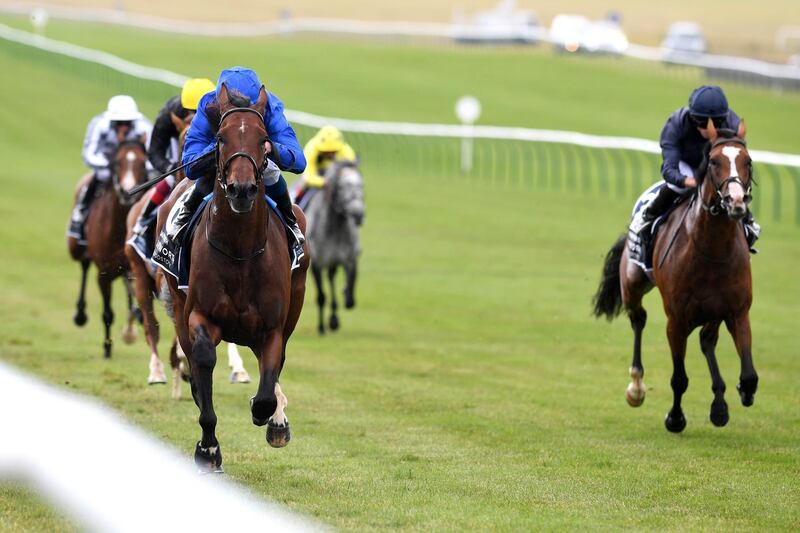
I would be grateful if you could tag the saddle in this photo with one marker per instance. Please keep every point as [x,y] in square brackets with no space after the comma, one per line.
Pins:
[643,257]
[178,264]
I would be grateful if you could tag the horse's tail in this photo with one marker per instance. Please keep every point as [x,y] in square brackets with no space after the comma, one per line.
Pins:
[608,298]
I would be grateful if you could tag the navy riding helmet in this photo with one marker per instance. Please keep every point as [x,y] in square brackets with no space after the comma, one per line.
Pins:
[708,101]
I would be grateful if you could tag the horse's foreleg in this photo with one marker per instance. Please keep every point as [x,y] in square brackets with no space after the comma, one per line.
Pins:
[742,337]
[708,343]
[675,421]
[175,364]
[268,405]
[636,389]
[203,359]
[317,272]
[143,288]
[104,281]
[129,332]
[334,320]
[351,270]
[80,317]
[235,363]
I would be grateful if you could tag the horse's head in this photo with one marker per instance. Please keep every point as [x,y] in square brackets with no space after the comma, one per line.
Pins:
[728,179]
[129,169]
[345,188]
[240,147]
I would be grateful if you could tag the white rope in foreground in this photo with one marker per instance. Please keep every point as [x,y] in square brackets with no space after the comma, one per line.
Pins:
[109,476]
[370,126]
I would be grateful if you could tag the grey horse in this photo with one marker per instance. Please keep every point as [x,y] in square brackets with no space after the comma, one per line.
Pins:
[334,216]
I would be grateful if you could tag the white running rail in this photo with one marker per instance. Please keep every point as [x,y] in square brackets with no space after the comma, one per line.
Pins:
[369,126]
[107,475]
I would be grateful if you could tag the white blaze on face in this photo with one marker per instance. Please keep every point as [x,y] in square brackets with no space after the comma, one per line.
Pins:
[735,190]
[129,180]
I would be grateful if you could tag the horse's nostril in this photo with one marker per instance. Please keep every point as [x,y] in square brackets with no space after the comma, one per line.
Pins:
[252,189]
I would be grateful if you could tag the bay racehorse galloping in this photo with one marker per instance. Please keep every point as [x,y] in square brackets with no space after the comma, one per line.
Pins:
[105,237]
[334,217]
[241,286]
[148,283]
[701,266]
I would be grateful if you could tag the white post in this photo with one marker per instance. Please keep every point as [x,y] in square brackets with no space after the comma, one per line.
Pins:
[39,18]
[468,109]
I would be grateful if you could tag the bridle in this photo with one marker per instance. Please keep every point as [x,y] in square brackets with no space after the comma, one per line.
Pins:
[717,206]
[222,175]
[125,198]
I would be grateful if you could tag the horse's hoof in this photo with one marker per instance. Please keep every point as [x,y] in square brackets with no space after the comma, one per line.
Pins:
[675,422]
[107,349]
[719,413]
[138,315]
[748,398]
[208,460]
[278,436]
[80,318]
[128,335]
[157,381]
[321,330]
[635,395]
[334,323]
[349,302]
[240,377]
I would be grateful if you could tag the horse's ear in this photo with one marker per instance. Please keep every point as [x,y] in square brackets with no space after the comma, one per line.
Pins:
[223,99]
[176,121]
[712,131]
[741,131]
[261,103]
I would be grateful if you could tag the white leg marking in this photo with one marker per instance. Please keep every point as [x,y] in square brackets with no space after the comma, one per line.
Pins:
[238,372]
[176,383]
[636,389]
[278,418]
[156,370]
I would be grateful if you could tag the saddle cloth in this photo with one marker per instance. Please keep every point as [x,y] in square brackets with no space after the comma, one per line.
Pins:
[178,264]
[641,257]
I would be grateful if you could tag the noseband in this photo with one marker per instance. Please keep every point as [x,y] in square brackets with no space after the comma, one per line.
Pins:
[222,175]
[717,207]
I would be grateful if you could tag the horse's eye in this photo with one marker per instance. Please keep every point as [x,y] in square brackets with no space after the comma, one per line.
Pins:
[220,140]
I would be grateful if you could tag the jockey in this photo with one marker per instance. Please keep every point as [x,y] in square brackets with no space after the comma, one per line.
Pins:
[121,121]
[282,149]
[163,152]
[683,142]
[321,151]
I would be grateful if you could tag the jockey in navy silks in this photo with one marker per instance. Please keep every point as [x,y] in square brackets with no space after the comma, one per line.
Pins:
[282,149]
[683,141]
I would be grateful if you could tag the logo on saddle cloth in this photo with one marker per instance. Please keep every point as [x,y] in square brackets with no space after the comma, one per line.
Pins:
[644,258]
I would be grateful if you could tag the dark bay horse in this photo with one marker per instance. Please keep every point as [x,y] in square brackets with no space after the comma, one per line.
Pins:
[241,286]
[334,217]
[701,266]
[148,283]
[105,237]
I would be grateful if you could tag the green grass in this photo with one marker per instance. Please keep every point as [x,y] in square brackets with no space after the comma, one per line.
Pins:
[470,389]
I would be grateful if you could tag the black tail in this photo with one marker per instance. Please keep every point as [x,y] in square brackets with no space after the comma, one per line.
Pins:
[608,299]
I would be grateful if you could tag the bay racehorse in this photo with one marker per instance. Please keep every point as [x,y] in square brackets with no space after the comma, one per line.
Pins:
[241,286]
[149,282]
[105,237]
[701,266]
[334,217]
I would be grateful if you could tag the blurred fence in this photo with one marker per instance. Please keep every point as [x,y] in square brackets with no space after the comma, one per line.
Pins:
[507,158]
[735,69]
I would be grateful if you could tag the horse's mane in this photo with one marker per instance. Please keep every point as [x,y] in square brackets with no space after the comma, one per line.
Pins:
[335,169]
[215,115]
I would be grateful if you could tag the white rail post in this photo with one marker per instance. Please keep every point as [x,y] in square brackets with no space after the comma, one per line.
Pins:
[468,109]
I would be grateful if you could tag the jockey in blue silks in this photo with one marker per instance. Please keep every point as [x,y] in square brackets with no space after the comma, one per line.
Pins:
[284,152]
[683,142]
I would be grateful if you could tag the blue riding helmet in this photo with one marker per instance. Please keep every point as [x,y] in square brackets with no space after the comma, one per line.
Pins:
[708,101]
[241,79]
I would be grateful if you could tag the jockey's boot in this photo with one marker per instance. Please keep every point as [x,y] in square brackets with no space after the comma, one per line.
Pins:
[657,207]
[751,231]
[168,242]
[284,203]
[78,218]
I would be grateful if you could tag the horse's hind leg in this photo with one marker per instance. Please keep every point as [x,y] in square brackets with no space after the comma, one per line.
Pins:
[675,421]
[708,343]
[268,404]
[633,286]
[104,281]
[80,317]
[134,314]
[317,272]
[207,455]
[334,320]
[351,269]
[235,363]
[748,378]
